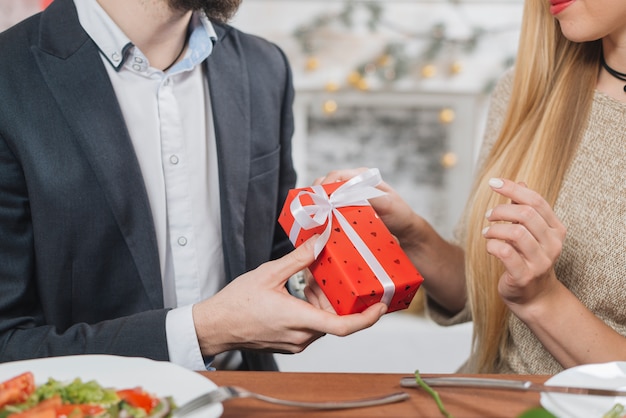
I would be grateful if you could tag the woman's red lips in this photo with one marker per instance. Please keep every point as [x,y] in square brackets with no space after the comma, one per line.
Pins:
[557,6]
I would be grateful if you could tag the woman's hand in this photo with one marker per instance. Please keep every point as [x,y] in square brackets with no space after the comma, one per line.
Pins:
[396,214]
[527,237]
[440,262]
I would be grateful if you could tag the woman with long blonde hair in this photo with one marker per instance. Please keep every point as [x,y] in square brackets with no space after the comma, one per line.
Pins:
[539,259]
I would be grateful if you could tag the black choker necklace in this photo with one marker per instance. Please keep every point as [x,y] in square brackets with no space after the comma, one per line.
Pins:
[181,53]
[616,74]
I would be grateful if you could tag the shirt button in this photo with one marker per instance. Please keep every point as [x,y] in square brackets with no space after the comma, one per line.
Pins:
[138,60]
[174,159]
[115,57]
[182,241]
[136,67]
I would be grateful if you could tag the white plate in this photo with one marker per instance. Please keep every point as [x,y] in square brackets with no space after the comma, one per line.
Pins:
[603,376]
[156,377]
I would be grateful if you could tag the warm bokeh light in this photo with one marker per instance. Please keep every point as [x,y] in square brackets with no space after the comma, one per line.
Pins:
[449,160]
[330,107]
[447,116]
[312,64]
[429,71]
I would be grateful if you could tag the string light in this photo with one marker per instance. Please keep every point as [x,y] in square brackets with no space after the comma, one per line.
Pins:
[332,87]
[312,64]
[446,116]
[395,60]
[429,71]
[330,107]
[438,56]
[449,160]
[456,67]
[354,78]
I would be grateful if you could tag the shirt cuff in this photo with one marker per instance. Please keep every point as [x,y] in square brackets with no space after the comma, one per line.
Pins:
[182,341]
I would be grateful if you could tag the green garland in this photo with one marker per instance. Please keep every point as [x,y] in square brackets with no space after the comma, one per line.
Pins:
[395,61]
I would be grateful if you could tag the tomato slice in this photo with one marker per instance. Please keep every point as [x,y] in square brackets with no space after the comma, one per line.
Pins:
[44,409]
[138,398]
[78,411]
[17,389]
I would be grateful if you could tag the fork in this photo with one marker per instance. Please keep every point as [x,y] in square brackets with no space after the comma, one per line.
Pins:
[224,393]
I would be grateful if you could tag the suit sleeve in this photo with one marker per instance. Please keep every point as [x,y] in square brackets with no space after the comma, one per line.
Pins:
[77,275]
[32,315]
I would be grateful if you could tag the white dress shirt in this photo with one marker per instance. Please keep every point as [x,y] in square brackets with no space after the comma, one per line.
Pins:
[169,119]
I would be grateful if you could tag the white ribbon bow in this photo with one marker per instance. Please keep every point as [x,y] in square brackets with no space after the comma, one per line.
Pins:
[354,192]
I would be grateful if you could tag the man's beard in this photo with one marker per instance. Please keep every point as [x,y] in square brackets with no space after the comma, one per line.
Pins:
[217,10]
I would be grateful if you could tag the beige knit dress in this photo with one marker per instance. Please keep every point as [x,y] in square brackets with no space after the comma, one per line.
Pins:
[592,206]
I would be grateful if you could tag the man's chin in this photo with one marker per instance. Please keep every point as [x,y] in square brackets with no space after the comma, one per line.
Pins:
[219,10]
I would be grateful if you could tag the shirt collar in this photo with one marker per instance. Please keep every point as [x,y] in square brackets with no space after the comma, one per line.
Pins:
[202,38]
[115,45]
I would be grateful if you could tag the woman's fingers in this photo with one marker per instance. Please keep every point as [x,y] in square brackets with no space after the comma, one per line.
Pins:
[520,194]
[531,213]
[518,250]
[526,236]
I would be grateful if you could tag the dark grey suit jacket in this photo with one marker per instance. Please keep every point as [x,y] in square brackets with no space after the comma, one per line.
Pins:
[79,268]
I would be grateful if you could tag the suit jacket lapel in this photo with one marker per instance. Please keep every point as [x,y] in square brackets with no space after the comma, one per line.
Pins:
[230,99]
[66,57]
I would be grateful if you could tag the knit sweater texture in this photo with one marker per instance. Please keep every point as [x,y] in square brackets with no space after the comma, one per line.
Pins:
[592,206]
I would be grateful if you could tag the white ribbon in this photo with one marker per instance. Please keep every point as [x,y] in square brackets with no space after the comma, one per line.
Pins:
[354,192]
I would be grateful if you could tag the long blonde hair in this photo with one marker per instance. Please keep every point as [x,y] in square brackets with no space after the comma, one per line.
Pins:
[551,97]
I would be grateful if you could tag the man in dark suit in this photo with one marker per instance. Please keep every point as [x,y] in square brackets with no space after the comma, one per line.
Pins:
[144,157]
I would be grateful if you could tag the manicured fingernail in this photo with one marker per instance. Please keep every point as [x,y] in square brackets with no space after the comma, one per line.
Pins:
[485,229]
[496,183]
[488,213]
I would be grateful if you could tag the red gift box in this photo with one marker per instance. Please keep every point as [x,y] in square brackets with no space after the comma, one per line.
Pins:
[358,262]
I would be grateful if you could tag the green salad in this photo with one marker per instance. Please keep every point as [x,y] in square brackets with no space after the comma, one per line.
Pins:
[20,398]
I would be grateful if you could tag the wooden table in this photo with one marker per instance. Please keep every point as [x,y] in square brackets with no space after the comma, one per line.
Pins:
[461,403]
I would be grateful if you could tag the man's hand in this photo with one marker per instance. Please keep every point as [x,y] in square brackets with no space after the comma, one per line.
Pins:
[255,311]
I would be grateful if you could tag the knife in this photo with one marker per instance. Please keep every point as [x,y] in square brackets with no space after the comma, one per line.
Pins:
[521,385]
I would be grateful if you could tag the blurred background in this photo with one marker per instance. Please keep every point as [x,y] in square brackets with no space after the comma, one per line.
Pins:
[401,85]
